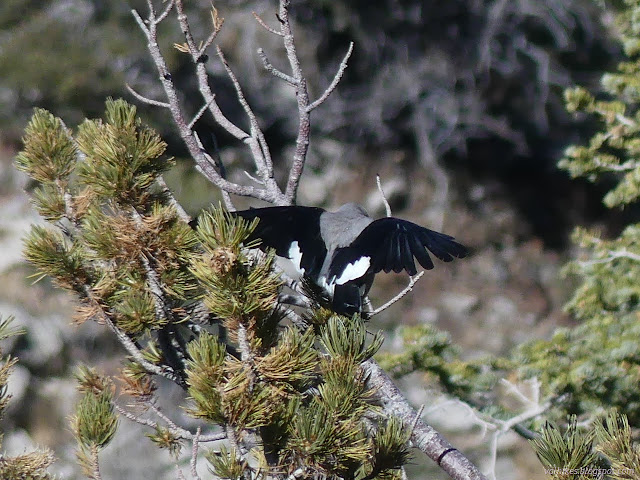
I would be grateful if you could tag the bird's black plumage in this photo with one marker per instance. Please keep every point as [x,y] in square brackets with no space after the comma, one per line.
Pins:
[279,227]
[343,250]
[392,243]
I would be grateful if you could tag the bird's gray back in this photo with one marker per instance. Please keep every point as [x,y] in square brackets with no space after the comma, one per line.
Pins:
[340,228]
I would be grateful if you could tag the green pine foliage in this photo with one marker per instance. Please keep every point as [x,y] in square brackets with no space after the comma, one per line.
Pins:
[201,306]
[114,227]
[603,450]
[571,450]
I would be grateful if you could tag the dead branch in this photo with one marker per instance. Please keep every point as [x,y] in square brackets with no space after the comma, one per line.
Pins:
[147,100]
[273,70]
[265,26]
[412,281]
[265,167]
[208,169]
[334,83]
[271,192]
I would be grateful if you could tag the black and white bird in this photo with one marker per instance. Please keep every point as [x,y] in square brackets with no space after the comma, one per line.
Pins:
[342,251]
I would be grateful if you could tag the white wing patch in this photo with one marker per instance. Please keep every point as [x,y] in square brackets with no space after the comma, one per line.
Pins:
[354,270]
[351,272]
[295,255]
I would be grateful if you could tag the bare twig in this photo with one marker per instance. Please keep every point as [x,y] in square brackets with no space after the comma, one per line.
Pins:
[147,422]
[166,11]
[142,98]
[387,207]
[170,423]
[252,178]
[412,281]
[132,349]
[265,26]
[200,112]
[178,432]
[217,23]
[334,83]
[503,426]
[265,166]
[273,70]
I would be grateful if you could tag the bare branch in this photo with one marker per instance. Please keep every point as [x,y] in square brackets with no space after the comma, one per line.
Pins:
[302,97]
[265,26]
[265,166]
[165,12]
[334,83]
[424,437]
[147,100]
[195,444]
[272,194]
[198,115]
[132,349]
[274,71]
[178,432]
[412,281]
[147,422]
[252,178]
[141,23]
[174,203]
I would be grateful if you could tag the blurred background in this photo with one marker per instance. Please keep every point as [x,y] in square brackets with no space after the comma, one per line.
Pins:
[457,105]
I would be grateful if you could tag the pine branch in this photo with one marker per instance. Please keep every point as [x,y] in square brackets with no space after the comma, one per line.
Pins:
[424,437]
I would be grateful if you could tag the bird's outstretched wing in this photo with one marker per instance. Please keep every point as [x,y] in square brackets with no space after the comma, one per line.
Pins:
[294,233]
[391,244]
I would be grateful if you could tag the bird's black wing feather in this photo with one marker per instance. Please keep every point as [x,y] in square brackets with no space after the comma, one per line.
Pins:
[392,243]
[279,227]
